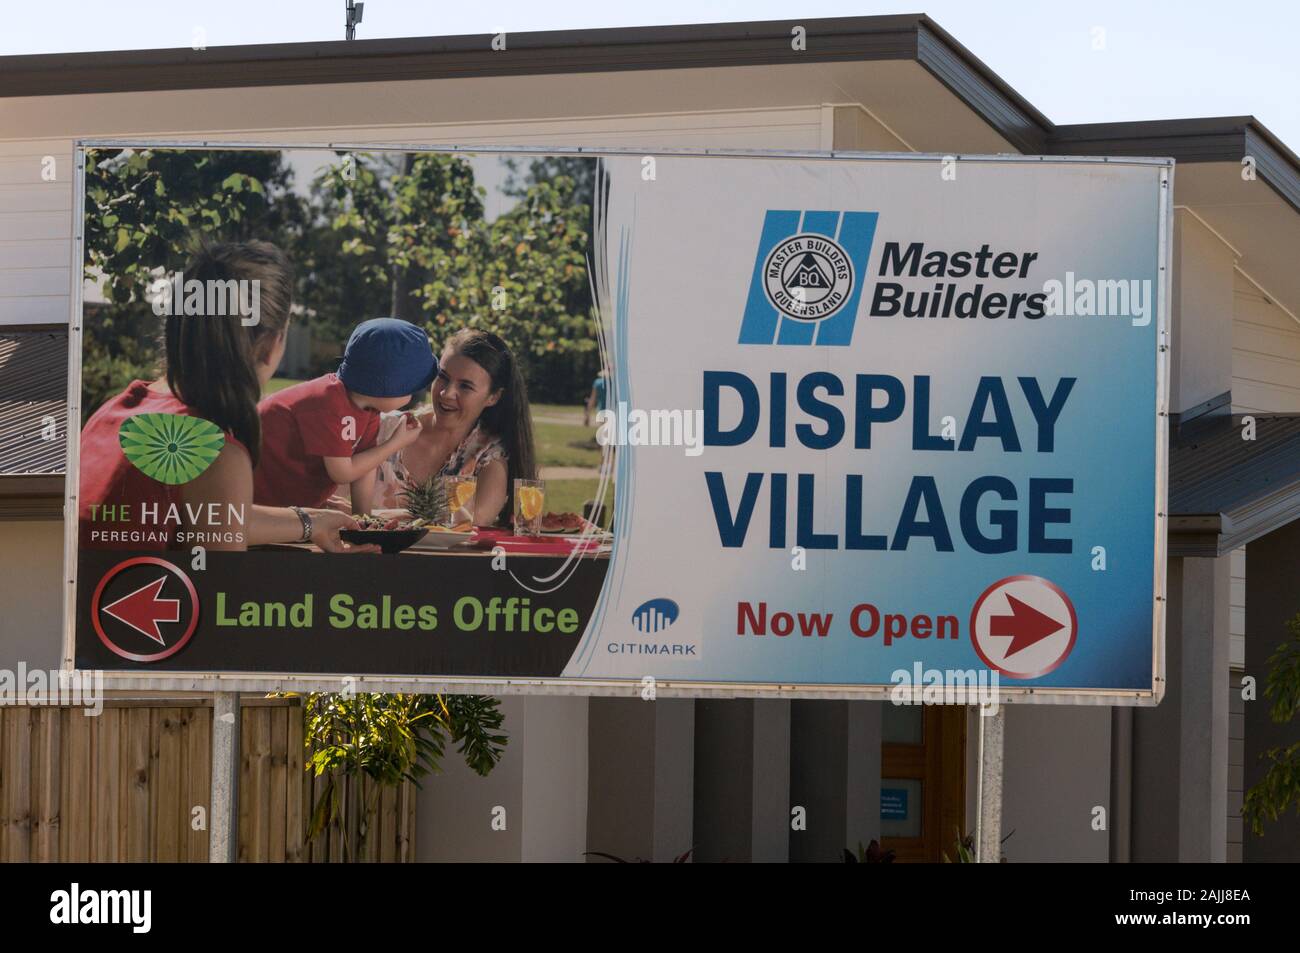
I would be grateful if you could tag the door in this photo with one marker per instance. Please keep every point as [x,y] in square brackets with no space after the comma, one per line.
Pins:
[922,780]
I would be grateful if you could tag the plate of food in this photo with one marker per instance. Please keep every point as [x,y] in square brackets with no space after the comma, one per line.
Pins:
[567,524]
[445,537]
[391,534]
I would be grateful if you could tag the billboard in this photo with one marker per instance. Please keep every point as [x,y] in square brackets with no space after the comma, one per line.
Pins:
[814,424]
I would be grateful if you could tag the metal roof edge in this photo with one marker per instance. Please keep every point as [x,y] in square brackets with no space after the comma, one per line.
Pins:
[404,58]
[26,497]
[1209,139]
[980,88]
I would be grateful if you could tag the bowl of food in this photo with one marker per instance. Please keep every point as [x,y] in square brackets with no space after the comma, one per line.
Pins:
[391,534]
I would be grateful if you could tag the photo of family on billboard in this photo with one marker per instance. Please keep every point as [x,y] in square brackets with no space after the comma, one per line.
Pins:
[344,352]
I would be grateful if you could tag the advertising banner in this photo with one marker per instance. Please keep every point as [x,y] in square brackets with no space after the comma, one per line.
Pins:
[735,423]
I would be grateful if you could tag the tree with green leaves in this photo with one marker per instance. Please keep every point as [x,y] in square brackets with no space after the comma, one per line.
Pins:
[144,212]
[389,739]
[417,234]
[1279,789]
[389,224]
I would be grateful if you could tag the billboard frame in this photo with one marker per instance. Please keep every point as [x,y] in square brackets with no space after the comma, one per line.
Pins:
[209,682]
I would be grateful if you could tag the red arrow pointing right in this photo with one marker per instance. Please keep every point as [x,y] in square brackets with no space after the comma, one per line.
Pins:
[1026,626]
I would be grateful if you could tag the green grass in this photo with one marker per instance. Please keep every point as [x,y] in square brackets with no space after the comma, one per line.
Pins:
[567,496]
[568,411]
[278,384]
[559,445]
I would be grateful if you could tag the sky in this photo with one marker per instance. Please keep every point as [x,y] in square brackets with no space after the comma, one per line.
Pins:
[1101,61]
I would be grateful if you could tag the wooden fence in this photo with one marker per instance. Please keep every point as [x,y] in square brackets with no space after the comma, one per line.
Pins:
[132,784]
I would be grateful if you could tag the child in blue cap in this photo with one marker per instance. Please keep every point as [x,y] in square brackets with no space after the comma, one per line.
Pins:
[320,434]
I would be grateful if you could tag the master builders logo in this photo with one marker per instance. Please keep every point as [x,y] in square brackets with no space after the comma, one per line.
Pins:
[809,273]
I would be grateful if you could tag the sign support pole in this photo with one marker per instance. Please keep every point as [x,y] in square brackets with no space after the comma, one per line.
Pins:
[988,833]
[223,807]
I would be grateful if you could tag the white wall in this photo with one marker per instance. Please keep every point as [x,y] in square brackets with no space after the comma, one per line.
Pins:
[35,233]
[31,599]
[1265,353]
[1202,331]
[1056,770]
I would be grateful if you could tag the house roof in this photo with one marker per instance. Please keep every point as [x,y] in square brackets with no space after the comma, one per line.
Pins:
[913,37]
[840,39]
[33,405]
[1226,489]
[33,376]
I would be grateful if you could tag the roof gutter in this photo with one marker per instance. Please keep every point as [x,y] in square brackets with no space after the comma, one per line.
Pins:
[550,51]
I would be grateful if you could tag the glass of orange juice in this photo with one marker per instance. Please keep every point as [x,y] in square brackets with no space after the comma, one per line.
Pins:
[530,499]
[460,498]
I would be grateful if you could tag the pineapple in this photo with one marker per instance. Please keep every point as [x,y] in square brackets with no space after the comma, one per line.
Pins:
[427,500]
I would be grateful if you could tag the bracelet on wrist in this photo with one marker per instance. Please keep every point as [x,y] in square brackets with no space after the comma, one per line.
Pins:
[305,517]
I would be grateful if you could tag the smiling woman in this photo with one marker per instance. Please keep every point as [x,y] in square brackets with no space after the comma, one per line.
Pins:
[477,424]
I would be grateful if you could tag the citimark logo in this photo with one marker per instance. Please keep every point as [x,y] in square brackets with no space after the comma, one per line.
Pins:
[809,272]
[655,615]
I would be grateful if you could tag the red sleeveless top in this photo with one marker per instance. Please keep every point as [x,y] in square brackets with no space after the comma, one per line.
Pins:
[118,506]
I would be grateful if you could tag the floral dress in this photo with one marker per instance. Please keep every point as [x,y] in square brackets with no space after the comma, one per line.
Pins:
[477,450]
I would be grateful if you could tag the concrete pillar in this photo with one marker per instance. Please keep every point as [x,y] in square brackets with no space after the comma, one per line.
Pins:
[1203,740]
[834,776]
[531,807]
[223,802]
[1180,749]
[555,779]
[1121,785]
[989,846]
[742,780]
[641,777]
[1057,770]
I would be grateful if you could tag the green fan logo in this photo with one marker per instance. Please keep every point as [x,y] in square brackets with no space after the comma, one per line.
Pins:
[170,448]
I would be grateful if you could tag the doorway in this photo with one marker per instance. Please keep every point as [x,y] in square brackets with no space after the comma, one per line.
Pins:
[922,780]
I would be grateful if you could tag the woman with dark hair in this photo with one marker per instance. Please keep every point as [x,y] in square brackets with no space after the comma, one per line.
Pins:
[216,366]
[477,423]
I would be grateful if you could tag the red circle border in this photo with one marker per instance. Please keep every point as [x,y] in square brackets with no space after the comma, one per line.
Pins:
[144,561]
[1025,577]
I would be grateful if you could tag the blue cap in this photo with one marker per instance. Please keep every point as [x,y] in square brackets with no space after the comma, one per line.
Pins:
[387,357]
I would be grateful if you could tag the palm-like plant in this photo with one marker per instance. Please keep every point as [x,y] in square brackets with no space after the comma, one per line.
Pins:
[427,500]
[389,739]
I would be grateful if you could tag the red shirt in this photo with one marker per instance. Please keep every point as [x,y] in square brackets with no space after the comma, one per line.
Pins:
[108,478]
[301,425]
